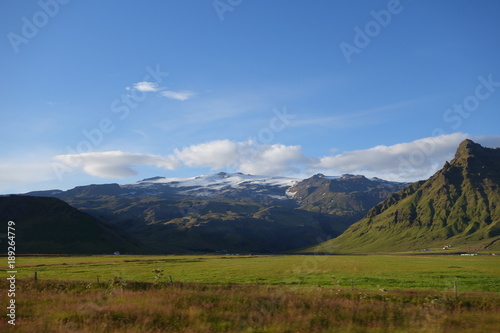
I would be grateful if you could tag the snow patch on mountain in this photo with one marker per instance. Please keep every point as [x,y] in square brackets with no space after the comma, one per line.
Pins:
[223,183]
[218,181]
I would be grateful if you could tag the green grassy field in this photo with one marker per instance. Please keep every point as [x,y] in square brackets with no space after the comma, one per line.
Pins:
[255,294]
[478,273]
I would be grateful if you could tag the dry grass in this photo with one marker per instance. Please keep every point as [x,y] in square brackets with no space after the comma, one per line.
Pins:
[120,306]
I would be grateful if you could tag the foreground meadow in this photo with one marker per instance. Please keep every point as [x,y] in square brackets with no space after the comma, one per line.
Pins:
[480,273]
[121,306]
[256,294]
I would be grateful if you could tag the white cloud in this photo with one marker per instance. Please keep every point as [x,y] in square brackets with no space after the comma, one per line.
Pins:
[274,159]
[145,86]
[215,154]
[246,156]
[114,164]
[178,95]
[22,174]
[408,161]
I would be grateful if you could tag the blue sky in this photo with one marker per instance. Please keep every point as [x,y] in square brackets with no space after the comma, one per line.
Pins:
[117,91]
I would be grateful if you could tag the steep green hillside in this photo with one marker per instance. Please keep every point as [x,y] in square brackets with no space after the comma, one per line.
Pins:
[49,225]
[458,206]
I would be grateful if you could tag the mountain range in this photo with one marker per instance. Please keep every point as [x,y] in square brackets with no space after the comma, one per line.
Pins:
[230,212]
[459,206]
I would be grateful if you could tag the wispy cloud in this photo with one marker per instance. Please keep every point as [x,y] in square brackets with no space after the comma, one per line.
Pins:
[115,164]
[145,86]
[227,106]
[200,113]
[178,95]
[357,118]
[340,121]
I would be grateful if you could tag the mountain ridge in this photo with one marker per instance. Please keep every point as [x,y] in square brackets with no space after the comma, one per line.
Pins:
[228,211]
[51,226]
[459,205]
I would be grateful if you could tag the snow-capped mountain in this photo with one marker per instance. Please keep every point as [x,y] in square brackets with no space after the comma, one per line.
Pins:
[215,185]
[232,186]
[220,180]
[240,186]
[230,210]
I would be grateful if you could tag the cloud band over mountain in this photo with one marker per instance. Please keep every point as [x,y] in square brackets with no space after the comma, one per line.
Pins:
[408,161]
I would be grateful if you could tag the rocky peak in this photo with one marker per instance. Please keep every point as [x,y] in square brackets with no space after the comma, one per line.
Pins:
[467,149]
[476,159]
[459,205]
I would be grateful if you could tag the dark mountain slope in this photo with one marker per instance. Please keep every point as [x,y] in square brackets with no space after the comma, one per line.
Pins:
[349,196]
[458,206]
[49,225]
[195,225]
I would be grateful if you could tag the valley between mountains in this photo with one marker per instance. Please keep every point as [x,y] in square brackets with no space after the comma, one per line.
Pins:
[240,213]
